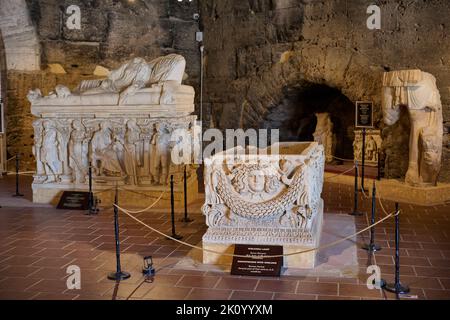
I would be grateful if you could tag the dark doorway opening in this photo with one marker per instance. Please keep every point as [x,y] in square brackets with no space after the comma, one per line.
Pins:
[295,116]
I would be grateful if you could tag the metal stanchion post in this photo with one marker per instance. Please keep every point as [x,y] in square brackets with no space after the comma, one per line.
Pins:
[396,287]
[18,194]
[372,247]
[363,159]
[356,193]
[92,208]
[172,211]
[379,166]
[186,217]
[119,274]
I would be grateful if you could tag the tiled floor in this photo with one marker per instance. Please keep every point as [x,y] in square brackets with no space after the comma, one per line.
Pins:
[37,245]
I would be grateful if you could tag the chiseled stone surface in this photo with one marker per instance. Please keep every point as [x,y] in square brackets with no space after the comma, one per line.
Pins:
[272,199]
[260,48]
[122,125]
[324,135]
[36,35]
[373,146]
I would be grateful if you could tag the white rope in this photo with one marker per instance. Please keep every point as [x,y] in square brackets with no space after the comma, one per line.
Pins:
[143,210]
[340,174]
[349,160]
[129,214]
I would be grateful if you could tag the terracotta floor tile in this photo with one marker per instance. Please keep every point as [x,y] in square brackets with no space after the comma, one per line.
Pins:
[16,295]
[437,294]
[321,288]
[17,283]
[277,286]
[49,286]
[290,296]
[251,295]
[167,293]
[198,282]
[237,284]
[208,294]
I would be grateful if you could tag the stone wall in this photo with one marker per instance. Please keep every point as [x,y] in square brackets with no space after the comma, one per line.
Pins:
[112,32]
[255,49]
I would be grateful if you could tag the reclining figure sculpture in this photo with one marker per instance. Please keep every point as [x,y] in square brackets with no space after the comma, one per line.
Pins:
[165,73]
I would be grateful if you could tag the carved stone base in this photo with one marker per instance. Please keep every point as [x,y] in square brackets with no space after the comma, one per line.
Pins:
[290,245]
[131,197]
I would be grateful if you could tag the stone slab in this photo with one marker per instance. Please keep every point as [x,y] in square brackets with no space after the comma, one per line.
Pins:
[337,261]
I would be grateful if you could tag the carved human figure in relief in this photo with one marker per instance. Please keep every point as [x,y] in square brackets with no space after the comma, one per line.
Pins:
[418,92]
[254,181]
[105,151]
[372,150]
[38,141]
[132,155]
[164,72]
[50,153]
[324,134]
[160,154]
[78,151]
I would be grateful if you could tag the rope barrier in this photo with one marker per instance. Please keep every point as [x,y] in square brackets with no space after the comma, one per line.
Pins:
[104,191]
[340,174]
[12,158]
[342,159]
[130,214]
[144,210]
[136,192]
[23,173]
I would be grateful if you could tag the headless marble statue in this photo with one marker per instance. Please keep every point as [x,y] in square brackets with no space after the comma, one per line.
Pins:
[417,91]
[324,135]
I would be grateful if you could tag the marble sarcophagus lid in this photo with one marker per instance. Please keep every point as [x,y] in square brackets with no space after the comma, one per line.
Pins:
[265,199]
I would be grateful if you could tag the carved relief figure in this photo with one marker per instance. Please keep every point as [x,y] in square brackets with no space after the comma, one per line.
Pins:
[50,153]
[160,154]
[132,155]
[78,151]
[418,92]
[324,134]
[373,145]
[372,150]
[104,152]
[38,141]
[254,181]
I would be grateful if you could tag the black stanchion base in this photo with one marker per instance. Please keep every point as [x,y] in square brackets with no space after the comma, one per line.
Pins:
[371,247]
[92,212]
[175,236]
[187,220]
[119,276]
[398,289]
[18,195]
[356,213]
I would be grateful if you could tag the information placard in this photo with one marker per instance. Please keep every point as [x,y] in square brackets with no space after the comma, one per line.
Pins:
[364,114]
[74,200]
[270,267]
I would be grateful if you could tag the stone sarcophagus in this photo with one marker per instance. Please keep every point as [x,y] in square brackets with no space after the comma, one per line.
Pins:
[272,199]
[122,126]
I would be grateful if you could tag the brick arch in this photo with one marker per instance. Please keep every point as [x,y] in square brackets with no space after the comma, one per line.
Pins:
[20,38]
[339,68]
